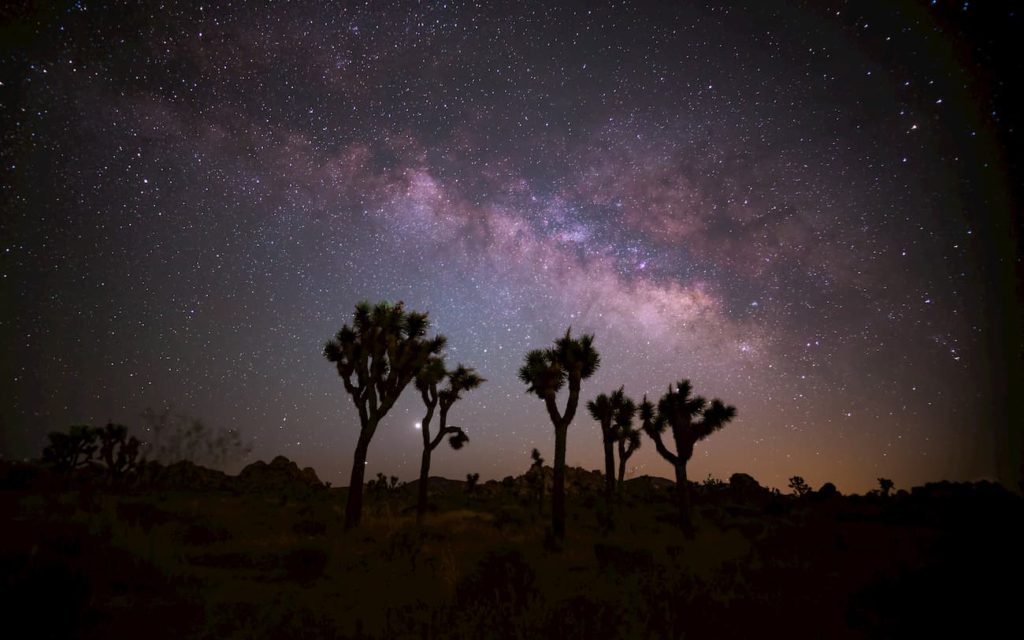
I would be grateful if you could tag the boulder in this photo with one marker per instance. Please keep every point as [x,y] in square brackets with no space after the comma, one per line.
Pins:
[280,475]
[179,476]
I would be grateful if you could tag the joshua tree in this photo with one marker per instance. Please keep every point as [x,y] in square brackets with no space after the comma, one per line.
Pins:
[429,377]
[628,438]
[118,450]
[691,419]
[68,451]
[472,479]
[545,372]
[799,487]
[612,413]
[885,486]
[376,358]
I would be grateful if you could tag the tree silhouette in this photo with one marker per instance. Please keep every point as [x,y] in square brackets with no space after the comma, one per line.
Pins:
[885,486]
[429,377]
[691,419]
[376,358]
[628,439]
[118,450]
[798,486]
[612,413]
[68,451]
[545,372]
[84,446]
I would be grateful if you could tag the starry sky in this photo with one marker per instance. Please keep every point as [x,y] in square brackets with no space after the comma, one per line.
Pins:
[807,208]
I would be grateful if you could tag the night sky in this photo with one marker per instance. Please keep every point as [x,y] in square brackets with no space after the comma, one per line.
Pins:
[805,209]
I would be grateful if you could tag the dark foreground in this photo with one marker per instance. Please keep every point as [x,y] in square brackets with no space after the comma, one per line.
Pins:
[204,556]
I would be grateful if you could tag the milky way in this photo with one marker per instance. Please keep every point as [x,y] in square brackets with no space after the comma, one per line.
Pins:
[802,209]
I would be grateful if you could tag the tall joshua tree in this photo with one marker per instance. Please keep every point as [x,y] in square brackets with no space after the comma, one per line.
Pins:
[427,381]
[628,439]
[691,419]
[545,372]
[611,411]
[377,357]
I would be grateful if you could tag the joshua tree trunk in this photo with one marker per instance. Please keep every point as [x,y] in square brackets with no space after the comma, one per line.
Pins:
[354,502]
[622,465]
[421,502]
[558,490]
[682,493]
[609,471]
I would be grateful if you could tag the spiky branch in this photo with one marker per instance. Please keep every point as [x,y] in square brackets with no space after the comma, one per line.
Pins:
[691,419]
[376,358]
[460,380]
[545,372]
[614,413]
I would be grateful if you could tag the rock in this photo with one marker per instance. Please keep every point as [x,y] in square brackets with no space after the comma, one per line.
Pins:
[182,475]
[281,475]
[744,488]
[827,491]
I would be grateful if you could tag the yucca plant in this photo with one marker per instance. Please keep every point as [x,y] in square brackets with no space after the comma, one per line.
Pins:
[628,439]
[612,412]
[377,357]
[545,372]
[691,419]
[460,379]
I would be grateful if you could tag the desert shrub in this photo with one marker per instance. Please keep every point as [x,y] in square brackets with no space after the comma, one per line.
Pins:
[203,534]
[621,560]
[713,483]
[304,564]
[502,579]
[310,527]
[584,616]
[402,543]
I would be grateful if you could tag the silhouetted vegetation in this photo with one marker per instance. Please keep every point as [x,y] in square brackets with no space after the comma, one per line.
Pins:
[545,372]
[100,542]
[691,419]
[383,485]
[377,357]
[798,486]
[615,415]
[459,380]
[628,439]
[471,482]
[109,447]
[885,486]
[71,450]
[187,558]
[118,451]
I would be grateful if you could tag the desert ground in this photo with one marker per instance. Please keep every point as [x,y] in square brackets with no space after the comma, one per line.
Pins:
[185,552]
